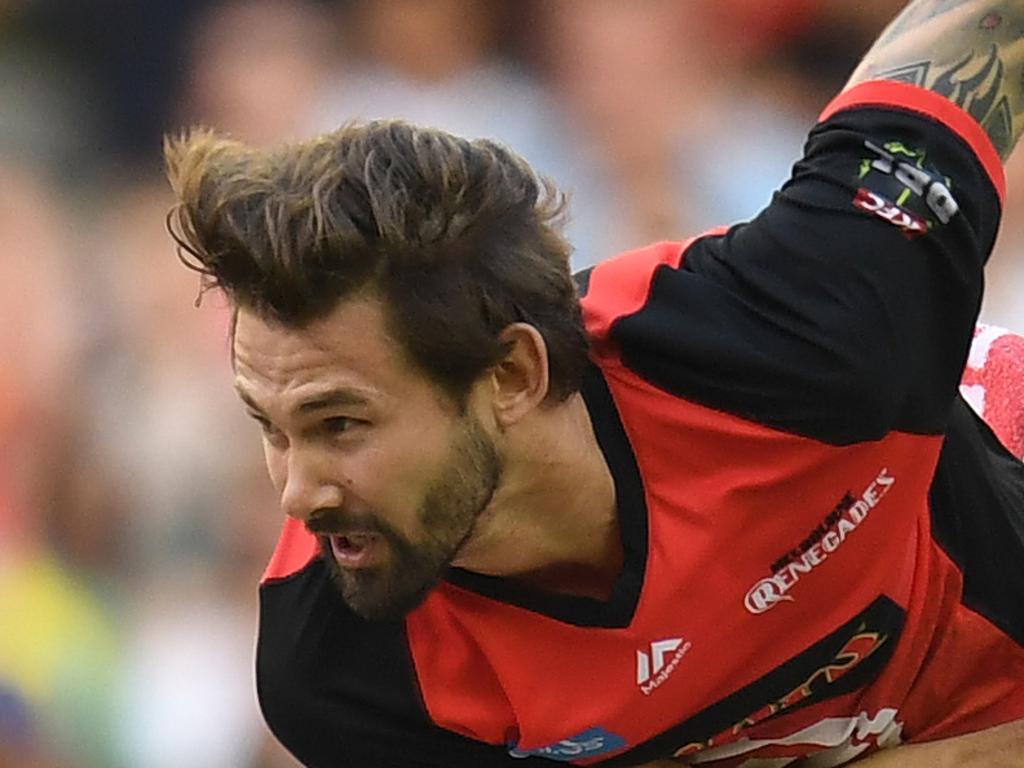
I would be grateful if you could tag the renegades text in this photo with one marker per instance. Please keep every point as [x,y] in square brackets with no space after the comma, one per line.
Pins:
[768,592]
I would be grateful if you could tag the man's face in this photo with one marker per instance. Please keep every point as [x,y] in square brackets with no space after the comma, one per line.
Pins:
[366,451]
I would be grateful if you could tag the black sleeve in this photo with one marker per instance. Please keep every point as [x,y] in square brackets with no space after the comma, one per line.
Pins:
[846,308]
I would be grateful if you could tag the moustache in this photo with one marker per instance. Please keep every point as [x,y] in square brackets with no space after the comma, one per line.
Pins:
[337,522]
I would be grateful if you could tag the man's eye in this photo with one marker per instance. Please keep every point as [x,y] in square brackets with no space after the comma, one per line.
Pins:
[339,424]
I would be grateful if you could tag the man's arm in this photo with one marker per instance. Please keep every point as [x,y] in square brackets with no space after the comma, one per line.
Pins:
[999,747]
[970,51]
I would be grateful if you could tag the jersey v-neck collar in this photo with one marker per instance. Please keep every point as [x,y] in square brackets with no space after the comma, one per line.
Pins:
[631,509]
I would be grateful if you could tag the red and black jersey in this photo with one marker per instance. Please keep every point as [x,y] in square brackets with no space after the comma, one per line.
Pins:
[823,544]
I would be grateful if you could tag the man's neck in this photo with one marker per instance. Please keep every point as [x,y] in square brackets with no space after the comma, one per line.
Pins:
[552,523]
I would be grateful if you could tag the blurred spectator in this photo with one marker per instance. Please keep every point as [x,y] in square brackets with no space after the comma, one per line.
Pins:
[255,68]
[162,406]
[58,643]
[40,332]
[690,115]
[20,744]
[60,650]
[1004,291]
[434,62]
[622,79]
[203,520]
[124,62]
[446,63]
[189,698]
[189,692]
[48,117]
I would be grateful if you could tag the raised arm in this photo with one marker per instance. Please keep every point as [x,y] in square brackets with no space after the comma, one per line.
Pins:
[970,51]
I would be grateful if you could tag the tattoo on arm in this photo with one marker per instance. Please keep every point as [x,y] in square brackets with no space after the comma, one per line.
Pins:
[913,15]
[970,51]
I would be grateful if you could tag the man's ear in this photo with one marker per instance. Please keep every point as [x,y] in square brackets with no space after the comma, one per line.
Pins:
[520,378]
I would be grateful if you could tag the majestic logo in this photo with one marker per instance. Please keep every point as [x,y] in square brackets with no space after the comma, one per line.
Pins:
[769,592]
[654,668]
[591,743]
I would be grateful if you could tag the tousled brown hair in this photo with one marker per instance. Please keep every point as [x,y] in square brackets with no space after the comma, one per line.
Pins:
[459,238]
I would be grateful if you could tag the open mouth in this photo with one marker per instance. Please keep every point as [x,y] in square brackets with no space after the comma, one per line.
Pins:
[355,550]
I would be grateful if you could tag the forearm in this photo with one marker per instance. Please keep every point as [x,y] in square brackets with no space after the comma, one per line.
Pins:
[971,51]
[1000,747]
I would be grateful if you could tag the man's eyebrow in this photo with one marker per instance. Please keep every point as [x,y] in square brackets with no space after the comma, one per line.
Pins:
[248,400]
[333,398]
[329,399]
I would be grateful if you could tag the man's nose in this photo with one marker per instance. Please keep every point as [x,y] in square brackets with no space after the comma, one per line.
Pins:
[308,487]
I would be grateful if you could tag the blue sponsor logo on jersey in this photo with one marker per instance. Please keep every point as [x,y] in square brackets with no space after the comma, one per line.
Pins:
[591,743]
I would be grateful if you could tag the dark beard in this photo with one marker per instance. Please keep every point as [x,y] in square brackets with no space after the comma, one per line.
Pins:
[448,515]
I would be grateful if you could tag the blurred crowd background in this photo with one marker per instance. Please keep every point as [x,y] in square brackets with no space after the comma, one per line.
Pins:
[135,518]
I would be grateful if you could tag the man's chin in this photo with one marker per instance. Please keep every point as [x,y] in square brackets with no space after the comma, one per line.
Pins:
[375,594]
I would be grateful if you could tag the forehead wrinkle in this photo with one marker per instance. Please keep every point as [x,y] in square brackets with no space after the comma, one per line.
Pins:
[274,368]
[327,398]
[351,350]
[302,374]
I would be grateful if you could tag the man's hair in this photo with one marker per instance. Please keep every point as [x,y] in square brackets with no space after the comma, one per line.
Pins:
[458,238]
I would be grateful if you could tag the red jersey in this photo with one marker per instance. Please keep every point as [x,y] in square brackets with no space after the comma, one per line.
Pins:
[823,544]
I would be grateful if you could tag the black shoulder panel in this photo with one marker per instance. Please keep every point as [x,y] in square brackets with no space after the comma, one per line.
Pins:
[340,691]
